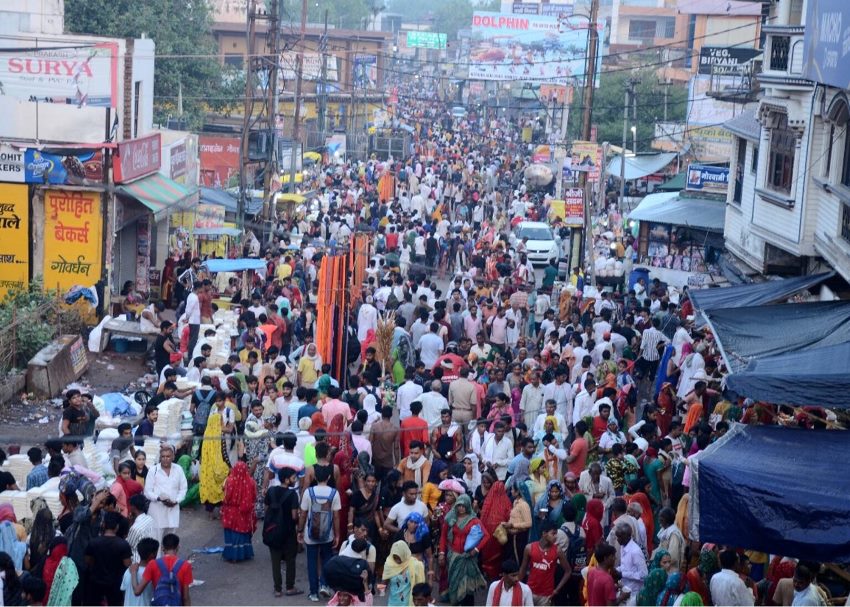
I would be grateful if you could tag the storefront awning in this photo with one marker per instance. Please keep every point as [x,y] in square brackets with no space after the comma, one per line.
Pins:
[672,208]
[160,194]
[640,166]
[755,294]
[218,197]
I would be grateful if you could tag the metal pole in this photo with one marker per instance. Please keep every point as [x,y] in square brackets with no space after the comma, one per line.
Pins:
[634,119]
[587,115]
[299,67]
[246,119]
[623,150]
[323,93]
[273,100]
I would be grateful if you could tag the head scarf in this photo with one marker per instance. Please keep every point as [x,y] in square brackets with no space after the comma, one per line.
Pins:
[452,485]
[422,529]
[592,523]
[521,472]
[691,599]
[240,494]
[454,518]
[579,501]
[7,513]
[214,465]
[338,437]
[655,582]
[437,468]
[674,587]
[414,567]
[536,464]
[554,420]
[496,508]
[10,544]
[708,564]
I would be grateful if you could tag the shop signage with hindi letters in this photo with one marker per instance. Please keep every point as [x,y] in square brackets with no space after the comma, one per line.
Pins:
[574,207]
[703,178]
[73,237]
[14,237]
[137,158]
[178,160]
[209,217]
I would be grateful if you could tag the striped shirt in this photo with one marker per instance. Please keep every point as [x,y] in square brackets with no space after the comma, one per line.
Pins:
[649,341]
[37,477]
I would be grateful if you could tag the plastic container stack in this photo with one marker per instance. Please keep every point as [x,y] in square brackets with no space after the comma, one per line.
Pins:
[19,466]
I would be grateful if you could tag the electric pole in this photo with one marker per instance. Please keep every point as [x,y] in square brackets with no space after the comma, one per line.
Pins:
[296,118]
[273,101]
[248,111]
[323,81]
[630,93]
[587,116]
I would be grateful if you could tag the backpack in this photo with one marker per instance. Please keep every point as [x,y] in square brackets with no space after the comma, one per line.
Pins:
[392,301]
[576,551]
[343,573]
[275,529]
[320,525]
[167,591]
[202,410]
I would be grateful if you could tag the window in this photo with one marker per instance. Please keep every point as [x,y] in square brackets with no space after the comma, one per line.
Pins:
[667,27]
[236,61]
[838,118]
[737,193]
[780,166]
[845,222]
[779,49]
[754,161]
[641,30]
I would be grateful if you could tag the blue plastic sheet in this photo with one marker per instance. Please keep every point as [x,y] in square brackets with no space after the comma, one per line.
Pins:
[116,404]
[234,265]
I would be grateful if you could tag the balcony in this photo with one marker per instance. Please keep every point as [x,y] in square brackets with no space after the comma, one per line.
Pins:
[783,62]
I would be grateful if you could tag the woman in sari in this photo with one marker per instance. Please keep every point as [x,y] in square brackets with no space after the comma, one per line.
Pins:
[495,512]
[125,487]
[60,573]
[390,495]
[548,507]
[699,577]
[238,514]
[635,493]
[344,460]
[487,480]
[215,465]
[656,579]
[193,491]
[538,479]
[402,571]
[591,524]
[519,522]
[363,505]
[167,283]
[11,545]
[257,448]
[691,599]
[431,490]
[579,502]
[417,535]
[675,587]
[461,535]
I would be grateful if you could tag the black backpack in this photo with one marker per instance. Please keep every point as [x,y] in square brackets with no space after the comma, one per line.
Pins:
[343,573]
[576,551]
[275,527]
[202,409]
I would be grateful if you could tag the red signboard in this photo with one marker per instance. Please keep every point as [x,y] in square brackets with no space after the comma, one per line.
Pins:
[574,207]
[137,158]
[219,160]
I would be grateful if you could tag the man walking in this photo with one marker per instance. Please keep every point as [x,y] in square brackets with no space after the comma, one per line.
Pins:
[279,529]
[539,562]
[318,528]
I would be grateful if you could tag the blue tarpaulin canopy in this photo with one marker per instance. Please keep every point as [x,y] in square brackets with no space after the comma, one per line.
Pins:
[234,265]
[678,210]
[809,377]
[640,166]
[762,488]
[772,291]
[218,197]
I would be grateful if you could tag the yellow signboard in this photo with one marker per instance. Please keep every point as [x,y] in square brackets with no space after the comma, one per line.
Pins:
[73,239]
[14,237]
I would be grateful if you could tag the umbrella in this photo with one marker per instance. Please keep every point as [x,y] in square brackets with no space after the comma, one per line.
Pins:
[314,156]
[291,198]
[299,177]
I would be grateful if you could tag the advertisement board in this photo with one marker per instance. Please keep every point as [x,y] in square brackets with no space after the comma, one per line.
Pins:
[311,67]
[557,10]
[542,153]
[586,158]
[84,167]
[14,242]
[11,164]
[704,178]
[177,160]
[574,207]
[535,48]
[826,43]
[524,8]
[725,60]
[209,216]
[137,158]
[60,71]
[219,160]
[434,40]
[365,75]
[73,237]
[703,109]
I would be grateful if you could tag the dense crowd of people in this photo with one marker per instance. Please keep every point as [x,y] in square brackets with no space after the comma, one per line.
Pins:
[528,445]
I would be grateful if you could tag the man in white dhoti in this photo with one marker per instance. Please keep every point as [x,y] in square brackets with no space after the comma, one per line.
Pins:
[165,487]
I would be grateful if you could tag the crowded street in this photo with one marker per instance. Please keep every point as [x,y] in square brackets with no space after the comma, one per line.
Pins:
[408,325]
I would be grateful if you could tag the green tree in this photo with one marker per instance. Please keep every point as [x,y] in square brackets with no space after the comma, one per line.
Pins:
[186,51]
[444,16]
[345,14]
[608,103]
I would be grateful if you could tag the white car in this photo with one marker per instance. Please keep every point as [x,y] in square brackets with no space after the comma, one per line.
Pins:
[542,245]
[458,112]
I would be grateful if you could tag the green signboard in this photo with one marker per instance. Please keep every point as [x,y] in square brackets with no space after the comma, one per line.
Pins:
[426,40]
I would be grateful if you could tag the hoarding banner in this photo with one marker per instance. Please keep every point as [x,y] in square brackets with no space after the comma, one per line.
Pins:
[311,67]
[178,160]
[574,207]
[524,8]
[586,158]
[219,160]
[15,239]
[209,216]
[542,154]
[557,10]
[78,168]
[365,71]
[827,43]
[426,40]
[702,178]
[73,237]
[703,109]
[533,48]
[725,60]
[11,164]
[137,158]
[62,72]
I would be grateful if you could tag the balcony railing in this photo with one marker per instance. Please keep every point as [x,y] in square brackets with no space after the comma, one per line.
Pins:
[780,51]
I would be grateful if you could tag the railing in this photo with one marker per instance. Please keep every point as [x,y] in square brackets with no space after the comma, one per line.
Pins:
[780,49]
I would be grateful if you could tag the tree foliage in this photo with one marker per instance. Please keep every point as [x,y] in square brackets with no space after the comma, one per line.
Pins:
[445,16]
[186,51]
[608,103]
[344,14]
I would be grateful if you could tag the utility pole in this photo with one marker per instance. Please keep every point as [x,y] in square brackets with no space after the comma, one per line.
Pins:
[323,82]
[630,91]
[248,110]
[634,120]
[273,101]
[299,69]
[587,115]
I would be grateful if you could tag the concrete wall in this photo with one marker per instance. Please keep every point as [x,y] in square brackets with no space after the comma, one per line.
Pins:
[32,16]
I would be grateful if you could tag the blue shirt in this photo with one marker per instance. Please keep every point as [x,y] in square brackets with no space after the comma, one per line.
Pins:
[37,477]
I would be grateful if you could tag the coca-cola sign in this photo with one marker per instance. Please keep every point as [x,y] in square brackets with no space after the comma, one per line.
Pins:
[137,158]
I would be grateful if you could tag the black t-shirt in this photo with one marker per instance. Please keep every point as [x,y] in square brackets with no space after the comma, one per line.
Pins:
[289,502]
[76,425]
[109,553]
[161,356]
[7,481]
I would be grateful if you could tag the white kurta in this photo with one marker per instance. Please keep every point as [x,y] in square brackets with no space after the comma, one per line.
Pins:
[170,486]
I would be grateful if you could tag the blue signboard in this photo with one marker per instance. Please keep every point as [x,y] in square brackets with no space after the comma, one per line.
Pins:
[827,43]
[704,178]
[81,167]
